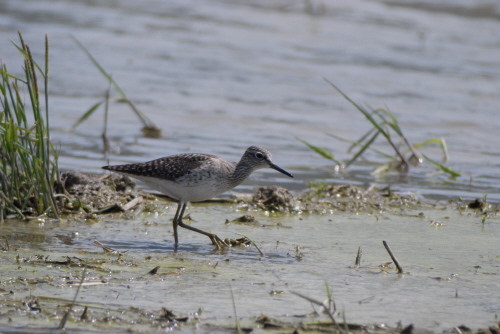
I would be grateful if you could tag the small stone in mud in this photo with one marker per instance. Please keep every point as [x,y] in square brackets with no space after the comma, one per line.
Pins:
[246,219]
[476,204]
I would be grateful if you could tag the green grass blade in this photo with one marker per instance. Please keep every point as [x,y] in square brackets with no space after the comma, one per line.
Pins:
[7,74]
[393,123]
[361,109]
[99,67]
[324,153]
[440,141]
[144,119]
[360,140]
[26,55]
[380,170]
[87,114]
[363,149]
[357,144]
[442,167]
[372,120]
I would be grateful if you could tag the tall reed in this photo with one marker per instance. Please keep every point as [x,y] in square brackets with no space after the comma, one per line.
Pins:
[28,164]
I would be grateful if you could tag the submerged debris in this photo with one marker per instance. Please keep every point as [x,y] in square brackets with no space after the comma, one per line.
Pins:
[331,197]
[107,249]
[275,198]
[318,326]
[114,193]
[245,219]
[238,242]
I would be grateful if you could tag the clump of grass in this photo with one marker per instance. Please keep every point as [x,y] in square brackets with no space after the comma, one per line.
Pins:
[28,164]
[384,123]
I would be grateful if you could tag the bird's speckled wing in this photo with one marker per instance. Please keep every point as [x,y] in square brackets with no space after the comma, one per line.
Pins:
[168,168]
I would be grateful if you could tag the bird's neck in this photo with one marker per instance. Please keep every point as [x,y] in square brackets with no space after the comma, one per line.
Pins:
[240,172]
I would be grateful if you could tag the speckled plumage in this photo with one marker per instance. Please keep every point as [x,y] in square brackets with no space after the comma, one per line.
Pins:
[168,168]
[193,177]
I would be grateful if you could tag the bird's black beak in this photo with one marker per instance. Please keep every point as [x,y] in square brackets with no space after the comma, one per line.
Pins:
[279,169]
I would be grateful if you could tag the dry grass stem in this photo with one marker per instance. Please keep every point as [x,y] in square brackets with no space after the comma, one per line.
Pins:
[396,262]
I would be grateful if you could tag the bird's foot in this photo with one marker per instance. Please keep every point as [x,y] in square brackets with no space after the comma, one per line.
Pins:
[218,242]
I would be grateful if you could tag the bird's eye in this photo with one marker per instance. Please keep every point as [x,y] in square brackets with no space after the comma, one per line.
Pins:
[259,155]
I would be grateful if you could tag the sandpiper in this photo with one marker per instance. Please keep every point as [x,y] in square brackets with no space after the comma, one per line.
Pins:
[194,177]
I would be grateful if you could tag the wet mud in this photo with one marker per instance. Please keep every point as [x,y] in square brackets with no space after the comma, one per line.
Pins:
[297,261]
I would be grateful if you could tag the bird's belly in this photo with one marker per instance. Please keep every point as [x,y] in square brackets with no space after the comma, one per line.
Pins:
[189,190]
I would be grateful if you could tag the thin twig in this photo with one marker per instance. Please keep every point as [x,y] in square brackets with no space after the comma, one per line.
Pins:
[109,249]
[65,318]
[323,304]
[238,327]
[358,257]
[106,146]
[400,269]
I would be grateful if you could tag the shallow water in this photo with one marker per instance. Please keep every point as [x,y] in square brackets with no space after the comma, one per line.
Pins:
[451,262]
[219,76]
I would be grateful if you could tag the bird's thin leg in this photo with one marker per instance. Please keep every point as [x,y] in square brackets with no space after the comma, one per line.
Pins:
[215,239]
[181,206]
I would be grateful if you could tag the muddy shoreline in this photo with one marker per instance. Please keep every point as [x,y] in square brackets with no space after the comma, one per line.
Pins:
[132,279]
